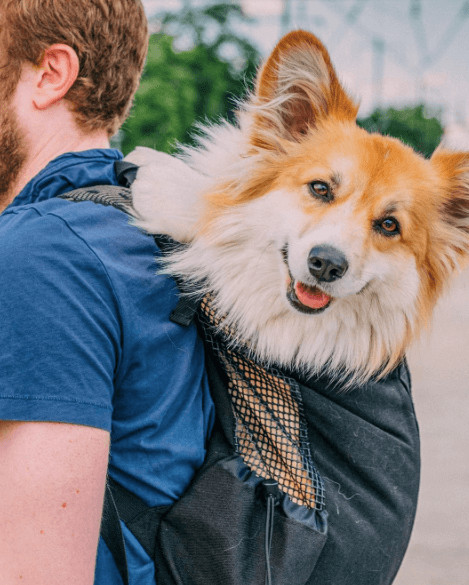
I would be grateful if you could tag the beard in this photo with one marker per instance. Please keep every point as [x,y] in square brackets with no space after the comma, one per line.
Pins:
[13,152]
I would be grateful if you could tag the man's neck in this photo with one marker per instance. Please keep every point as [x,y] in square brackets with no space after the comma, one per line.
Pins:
[52,150]
[43,156]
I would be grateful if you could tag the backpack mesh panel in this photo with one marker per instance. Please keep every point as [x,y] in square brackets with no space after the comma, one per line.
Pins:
[271,434]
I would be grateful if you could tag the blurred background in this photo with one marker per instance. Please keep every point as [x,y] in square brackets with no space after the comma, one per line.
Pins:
[408,63]
[406,60]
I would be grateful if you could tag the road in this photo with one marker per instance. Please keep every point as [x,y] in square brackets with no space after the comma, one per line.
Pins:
[439,549]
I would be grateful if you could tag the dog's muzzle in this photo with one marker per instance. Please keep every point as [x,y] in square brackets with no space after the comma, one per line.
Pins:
[327,264]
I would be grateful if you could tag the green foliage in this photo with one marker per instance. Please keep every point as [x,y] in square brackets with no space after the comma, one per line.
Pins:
[411,125]
[200,84]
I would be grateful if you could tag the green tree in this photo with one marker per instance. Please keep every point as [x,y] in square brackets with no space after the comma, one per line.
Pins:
[182,87]
[411,125]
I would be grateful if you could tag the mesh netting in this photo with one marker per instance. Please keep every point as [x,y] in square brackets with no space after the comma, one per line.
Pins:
[271,434]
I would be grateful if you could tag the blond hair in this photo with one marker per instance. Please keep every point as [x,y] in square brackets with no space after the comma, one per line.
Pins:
[110,38]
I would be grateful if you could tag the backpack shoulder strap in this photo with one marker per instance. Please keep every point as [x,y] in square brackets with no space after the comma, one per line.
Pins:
[110,195]
[142,520]
[111,531]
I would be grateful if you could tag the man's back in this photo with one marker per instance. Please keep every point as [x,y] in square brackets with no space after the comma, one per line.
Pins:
[85,294]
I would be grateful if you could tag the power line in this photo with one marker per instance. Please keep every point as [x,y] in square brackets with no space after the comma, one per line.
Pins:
[379,49]
[286,16]
[415,12]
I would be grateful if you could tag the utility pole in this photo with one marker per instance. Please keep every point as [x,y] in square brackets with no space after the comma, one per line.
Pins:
[302,14]
[378,70]
[286,16]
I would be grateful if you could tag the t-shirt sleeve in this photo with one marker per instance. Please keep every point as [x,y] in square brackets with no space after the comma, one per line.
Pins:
[60,330]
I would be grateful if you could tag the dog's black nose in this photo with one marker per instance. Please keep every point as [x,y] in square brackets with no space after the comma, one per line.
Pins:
[326,263]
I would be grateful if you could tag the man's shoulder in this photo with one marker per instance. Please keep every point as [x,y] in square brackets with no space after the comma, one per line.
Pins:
[37,240]
[27,227]
[61,241]
[98,226]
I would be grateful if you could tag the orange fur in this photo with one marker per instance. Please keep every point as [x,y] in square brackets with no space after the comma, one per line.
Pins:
[299,127]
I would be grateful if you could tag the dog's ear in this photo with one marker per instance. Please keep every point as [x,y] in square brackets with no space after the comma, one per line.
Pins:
[453,168]
[296,88]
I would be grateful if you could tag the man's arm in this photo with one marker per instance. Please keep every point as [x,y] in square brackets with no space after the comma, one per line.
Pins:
[52,482]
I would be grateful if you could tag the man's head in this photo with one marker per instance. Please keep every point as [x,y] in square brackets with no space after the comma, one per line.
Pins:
[68,73]
[108,36]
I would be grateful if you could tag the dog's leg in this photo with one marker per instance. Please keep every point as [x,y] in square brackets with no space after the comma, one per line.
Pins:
[166,194]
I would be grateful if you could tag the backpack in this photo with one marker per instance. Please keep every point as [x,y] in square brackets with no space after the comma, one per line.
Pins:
[303,483]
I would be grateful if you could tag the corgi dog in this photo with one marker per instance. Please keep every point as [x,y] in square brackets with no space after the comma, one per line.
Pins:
[324,247]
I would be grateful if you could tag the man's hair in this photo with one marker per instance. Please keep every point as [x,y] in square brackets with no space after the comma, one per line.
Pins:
[110,38]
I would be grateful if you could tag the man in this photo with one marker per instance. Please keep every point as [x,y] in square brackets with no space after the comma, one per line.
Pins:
[91,368]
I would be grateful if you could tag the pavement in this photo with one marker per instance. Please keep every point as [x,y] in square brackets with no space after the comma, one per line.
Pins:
[438,553]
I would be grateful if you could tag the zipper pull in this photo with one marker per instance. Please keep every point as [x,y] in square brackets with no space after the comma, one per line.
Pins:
[272,497]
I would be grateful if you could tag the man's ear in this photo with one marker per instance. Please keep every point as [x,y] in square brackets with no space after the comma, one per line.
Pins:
[55,75]
[296,88]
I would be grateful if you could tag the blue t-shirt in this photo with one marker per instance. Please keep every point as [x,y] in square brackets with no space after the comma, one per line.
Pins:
[86,339]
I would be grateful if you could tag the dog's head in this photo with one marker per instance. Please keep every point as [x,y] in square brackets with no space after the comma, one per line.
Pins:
[326,245]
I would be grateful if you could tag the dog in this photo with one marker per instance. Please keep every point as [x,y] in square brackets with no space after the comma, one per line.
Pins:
[324,247]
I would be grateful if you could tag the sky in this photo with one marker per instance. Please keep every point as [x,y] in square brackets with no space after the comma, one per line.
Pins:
[387,52]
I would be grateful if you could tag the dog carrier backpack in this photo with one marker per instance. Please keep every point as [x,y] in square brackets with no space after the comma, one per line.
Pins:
[304,483]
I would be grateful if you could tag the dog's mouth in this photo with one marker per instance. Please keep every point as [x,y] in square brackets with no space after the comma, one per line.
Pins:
[307,299]
[304,297]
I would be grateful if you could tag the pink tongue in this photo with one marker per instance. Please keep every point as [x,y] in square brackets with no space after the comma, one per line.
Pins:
[311,297]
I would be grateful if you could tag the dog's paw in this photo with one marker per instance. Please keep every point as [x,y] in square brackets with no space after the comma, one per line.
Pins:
[166,194]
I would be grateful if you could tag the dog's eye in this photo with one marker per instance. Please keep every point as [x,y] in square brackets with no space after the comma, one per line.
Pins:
[321,190]
[389,226]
